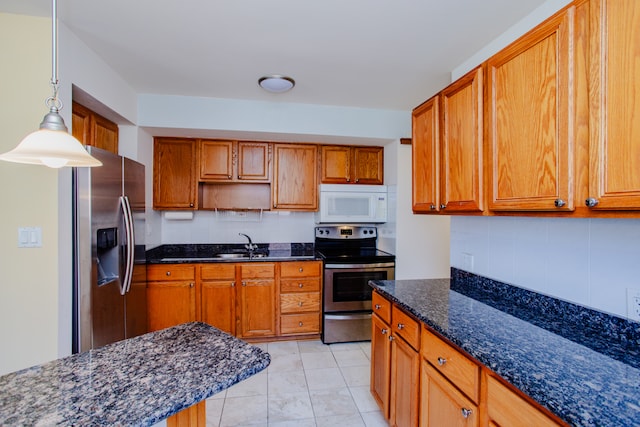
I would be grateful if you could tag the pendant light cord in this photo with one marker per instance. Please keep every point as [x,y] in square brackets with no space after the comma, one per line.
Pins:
[53,102]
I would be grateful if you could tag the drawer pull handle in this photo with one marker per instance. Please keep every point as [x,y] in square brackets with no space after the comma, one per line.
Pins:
[466,413]
[168,273]
[378,306]
[441,361]
[299,323]
[400,326]
[384,331]
[300,285]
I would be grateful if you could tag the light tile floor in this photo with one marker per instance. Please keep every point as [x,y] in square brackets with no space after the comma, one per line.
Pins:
[307,384]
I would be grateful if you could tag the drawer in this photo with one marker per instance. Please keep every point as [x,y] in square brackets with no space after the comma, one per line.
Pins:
[459,369]
[507,408]
[300,323]
[381,306]
[218,272]
[299,302]
[171,272]
[300,269]
[406,326]
[299,285]
[258,270]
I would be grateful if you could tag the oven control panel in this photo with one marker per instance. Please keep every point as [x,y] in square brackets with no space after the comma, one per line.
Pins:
[346,232]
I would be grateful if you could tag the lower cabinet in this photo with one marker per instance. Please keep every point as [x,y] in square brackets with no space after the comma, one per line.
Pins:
[441,404]
[257,300]
[405,377]
[300,310]
[171,295]
[218,282]
[380,363]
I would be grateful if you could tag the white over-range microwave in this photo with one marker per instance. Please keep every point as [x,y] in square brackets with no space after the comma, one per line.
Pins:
[352,204]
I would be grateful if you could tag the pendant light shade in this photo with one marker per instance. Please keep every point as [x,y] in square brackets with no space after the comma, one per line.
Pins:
[52,145]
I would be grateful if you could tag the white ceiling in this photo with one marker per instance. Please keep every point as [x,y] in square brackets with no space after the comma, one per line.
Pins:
[388,54]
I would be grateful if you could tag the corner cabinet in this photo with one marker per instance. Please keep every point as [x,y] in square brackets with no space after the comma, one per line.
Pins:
[530,120]
[93,129]
[295,177]
[174,173]
[614,180]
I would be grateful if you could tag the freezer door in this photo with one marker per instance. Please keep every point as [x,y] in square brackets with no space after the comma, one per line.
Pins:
[136,297]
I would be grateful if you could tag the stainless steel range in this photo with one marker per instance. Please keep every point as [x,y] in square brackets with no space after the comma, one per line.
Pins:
[351,259]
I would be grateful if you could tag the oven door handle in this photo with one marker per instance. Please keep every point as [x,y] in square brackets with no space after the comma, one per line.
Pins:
[368,265]
[350,316]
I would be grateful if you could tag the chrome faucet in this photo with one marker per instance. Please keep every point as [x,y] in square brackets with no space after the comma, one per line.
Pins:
[250,247]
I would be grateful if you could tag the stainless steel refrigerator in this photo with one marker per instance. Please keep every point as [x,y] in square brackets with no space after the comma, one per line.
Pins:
[109,289]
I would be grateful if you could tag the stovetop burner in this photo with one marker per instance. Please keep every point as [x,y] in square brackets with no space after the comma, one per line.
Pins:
[349,244]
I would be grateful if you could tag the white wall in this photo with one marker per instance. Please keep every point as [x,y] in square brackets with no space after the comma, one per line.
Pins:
[586,261]
[28,289]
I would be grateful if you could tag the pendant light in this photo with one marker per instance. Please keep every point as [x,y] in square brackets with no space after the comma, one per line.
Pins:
[52,145]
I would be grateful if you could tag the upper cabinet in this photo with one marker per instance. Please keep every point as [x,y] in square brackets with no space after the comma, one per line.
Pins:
[295,178]
[93,129]
[614,152]
[351,165]
[174,173]
[447,149]
[530,119]
[234,161]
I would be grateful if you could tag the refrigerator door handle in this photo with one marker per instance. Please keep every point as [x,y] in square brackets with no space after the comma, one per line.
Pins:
[129,255]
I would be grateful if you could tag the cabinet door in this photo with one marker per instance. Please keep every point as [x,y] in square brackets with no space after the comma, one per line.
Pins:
[81,123]
[216,160]
[170,304]
[218,282]
[254,161]
[531,119]
[295,185]
[462,129]
[380,363]
[405,377]
[368,165]
[174,174]
[257,300]
[441,404]
[335,167]
[104,134]
[615,102]
[425,156]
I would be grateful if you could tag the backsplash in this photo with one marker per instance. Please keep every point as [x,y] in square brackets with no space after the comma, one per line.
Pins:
[591,328]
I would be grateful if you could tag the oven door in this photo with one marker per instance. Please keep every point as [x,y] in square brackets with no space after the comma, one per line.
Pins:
[346,286]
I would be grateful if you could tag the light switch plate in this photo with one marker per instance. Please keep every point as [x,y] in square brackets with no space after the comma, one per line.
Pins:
[29,237]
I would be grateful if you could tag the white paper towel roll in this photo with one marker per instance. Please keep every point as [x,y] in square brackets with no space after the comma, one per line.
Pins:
[178,215]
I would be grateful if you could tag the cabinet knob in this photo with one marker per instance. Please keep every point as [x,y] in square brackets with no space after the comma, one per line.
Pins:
[441,361]
[466,413]
[400,326]
[168,273]
[244,283]
[443,206]
[299,323]
[275,205]
[591,202]
[191,285]
[190,205]
[239,176]
[357,180]
[300,285]
[300,304]
[378,306]
[348,179]
[233,284]
[301,269]
[384,331]
[432,207]
[391,338]
[559,203]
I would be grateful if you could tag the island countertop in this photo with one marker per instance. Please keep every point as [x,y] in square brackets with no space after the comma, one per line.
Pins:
[138,381]
[584,378]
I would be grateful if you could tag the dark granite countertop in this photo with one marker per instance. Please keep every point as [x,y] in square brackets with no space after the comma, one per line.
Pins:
[573,374]
[138,381]
[205,253]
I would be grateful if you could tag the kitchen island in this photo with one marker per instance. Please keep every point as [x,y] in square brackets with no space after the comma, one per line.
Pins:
[579,364]
[138,381]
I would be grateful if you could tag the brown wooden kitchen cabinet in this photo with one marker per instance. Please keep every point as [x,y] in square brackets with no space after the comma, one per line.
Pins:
[341,164]
[92,129]
[447,149]
[425,156]
[257,299]
[614,180]
[218,284]
[234,161]
[380,363]
[295,178]
[300,302]
[174,173]
[530,119]
[444,405]
[172,296]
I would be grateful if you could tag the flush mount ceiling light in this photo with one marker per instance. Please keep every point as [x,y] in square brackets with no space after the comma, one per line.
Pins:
[52,145]
[276,83]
